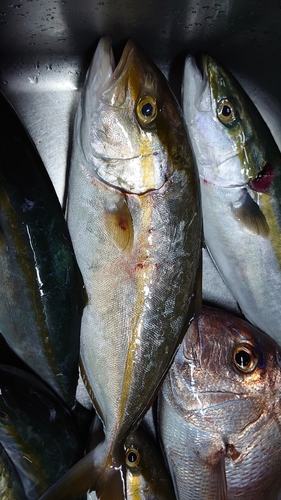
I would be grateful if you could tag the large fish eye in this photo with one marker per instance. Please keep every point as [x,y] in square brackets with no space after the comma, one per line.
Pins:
[226,111]
[146,110]
[245,358]
[132,457]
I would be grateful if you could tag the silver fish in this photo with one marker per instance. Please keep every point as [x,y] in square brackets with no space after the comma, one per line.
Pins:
[239,166]
[134,216]
[219,411]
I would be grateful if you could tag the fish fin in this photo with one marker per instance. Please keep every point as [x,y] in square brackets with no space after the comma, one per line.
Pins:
[75,483]
[250,215]
[218,479]
[119,225]
[113,485]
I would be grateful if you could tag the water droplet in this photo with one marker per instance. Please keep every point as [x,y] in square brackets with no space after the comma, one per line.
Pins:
[33,80]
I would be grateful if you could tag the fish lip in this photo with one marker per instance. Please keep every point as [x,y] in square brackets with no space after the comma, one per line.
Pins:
[124,60]
[119,70]
[195,76]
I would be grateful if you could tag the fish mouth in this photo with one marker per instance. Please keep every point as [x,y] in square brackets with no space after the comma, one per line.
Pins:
[196,81]
[114,87]
[104,75]
[125,59]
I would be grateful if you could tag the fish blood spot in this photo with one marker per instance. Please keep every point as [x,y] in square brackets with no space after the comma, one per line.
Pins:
[123,224]
[231,452]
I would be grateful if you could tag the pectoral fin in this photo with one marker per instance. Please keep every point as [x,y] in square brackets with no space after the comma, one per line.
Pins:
[119,225]
[248,213]
[218,480]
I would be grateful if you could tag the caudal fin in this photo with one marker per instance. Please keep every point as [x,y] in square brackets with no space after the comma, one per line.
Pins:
[75,483]
[108,482]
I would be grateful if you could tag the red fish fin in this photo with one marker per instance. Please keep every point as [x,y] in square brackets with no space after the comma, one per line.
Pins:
[75,483]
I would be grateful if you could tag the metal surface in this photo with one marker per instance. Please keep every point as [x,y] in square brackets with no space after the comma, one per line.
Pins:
[46,47]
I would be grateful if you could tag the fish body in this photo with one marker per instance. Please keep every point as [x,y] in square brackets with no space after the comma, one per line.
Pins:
[219,411]
[135,220]
[38,437]
[41,294]
[10,485]
[239,167]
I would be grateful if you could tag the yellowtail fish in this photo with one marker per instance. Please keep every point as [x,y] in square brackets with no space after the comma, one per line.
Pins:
[39,440]
[134,217]
[219,411]
[147,477]
[41,293]
[239,166]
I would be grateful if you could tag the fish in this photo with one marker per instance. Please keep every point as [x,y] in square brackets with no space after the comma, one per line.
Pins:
[134,216]
[10,485]
[42,291]
[239,166]
[219,411]
[147,477]
[39,440]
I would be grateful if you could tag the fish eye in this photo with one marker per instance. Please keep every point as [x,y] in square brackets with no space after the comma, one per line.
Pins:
[146,110]
[132,457]
[245,358]
[226,111]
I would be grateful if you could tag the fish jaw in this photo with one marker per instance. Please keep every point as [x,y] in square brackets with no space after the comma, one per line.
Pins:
[113,99]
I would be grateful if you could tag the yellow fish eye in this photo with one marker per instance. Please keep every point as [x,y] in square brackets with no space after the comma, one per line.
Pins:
[132,457]
[146,110]
[226,111]
[245,358]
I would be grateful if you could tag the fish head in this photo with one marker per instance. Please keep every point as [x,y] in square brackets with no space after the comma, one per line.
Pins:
[229,367]
[146,475]
[224,125]
[128,120]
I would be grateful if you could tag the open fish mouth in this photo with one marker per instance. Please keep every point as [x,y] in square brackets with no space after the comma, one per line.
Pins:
[112,73]
[196,81]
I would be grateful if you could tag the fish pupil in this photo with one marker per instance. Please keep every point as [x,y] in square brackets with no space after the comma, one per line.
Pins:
[132,457]
[226,111]
[242,358]
[147,109]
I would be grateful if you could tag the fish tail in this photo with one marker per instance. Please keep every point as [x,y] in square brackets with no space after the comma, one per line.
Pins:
[76,482]
[91,474]
[111,485]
